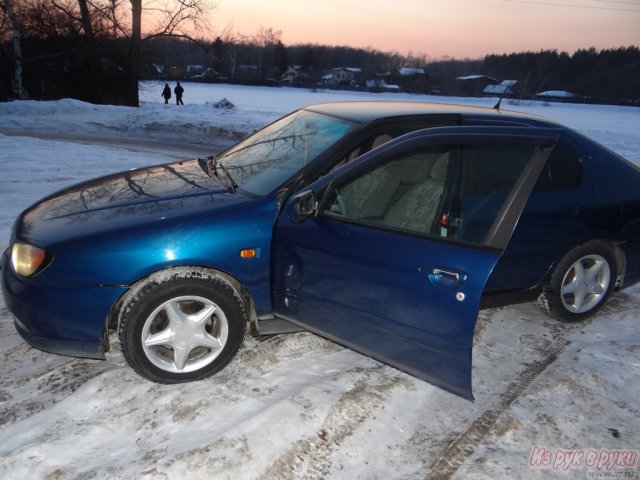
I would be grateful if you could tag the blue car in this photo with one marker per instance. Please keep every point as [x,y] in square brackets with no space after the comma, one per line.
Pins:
[384,226]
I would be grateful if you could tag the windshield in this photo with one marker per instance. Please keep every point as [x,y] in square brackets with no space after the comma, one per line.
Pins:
[264,161]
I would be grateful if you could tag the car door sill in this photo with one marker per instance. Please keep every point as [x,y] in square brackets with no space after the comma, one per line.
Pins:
[274,326]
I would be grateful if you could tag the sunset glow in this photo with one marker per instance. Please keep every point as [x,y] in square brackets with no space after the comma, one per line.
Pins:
[437,28]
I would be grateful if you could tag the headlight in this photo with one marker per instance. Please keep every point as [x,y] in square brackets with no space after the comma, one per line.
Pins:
[26,259]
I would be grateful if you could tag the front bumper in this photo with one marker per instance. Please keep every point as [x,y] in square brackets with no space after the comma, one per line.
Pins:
[67,320]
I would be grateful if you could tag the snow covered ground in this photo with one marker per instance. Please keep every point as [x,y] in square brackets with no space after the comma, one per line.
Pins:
[298,406]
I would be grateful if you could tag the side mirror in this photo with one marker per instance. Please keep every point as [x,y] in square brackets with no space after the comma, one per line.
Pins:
[303,206]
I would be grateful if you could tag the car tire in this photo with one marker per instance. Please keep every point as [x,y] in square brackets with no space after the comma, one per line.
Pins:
[181,327]
[581,283]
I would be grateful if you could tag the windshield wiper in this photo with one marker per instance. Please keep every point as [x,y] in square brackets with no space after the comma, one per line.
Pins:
[212,167]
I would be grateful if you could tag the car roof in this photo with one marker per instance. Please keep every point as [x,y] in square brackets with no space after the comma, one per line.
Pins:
[367,111]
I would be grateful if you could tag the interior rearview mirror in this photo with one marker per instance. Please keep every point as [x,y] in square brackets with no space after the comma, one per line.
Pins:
[303,206]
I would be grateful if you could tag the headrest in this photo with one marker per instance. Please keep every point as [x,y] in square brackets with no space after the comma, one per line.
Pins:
[381,140]
[439,169]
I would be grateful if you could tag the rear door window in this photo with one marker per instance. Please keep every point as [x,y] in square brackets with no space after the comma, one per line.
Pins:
[448,191]
[562,171]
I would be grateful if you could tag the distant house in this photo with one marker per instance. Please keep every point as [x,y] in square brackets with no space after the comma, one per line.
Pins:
[375,83]
[341,76]
[149,70]
[557,96]
[378,84]
[290,75]
[209,75]
[252,69]
[411,72]
[176,72]
[474,78]
[194,69]
[506,88]
[473,85]
[294,76]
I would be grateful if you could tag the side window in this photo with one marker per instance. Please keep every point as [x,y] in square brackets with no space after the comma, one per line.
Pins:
[448,191]
[369,144]
[382,137]
[563,169]
[487,176]
[405,193]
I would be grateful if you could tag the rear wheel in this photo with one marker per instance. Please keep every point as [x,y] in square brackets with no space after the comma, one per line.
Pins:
[181,328]
[581,283]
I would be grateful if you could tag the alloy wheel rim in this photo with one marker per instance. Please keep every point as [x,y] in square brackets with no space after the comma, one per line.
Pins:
[585,283]
[185,334]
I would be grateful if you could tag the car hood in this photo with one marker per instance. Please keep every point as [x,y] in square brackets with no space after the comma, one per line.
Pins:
[125,199]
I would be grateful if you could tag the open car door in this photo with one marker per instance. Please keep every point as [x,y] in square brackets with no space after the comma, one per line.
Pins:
[390,254]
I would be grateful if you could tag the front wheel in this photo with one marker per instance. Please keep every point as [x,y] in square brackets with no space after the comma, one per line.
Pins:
[581,283]
[182,328]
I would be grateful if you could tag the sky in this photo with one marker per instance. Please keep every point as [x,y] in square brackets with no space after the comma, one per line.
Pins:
[440,28]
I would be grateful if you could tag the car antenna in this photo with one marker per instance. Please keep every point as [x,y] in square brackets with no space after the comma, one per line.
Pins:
[497,105]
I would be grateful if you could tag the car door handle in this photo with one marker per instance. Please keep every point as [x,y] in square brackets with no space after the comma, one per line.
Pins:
[445,277]
[438,272]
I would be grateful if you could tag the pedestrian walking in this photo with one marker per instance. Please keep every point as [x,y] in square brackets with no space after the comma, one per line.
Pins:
[166,93]
[178,91]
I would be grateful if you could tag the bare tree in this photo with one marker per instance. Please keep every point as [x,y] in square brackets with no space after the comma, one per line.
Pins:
[180,18]
[234,43]
[48,18]
[264,38]
[135,21]
[18,88]
[86,19]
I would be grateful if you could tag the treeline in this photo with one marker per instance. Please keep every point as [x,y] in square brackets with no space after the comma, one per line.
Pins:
[271,57]
[609,75]
[95,51]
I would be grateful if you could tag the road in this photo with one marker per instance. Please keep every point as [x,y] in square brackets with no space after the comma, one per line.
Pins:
[133,143]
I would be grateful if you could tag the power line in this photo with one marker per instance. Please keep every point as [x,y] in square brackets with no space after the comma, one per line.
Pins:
[553,4]
[617,1]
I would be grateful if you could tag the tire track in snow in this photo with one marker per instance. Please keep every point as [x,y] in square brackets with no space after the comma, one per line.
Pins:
[311,457]
[464,445]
